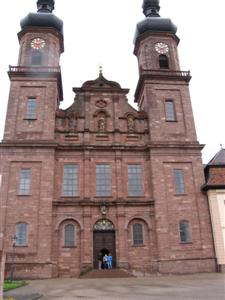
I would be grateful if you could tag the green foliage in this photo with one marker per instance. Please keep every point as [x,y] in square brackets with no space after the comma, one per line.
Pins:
[10,285]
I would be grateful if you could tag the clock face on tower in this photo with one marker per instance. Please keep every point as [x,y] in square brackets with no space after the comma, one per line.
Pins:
[37,43]
[161,48]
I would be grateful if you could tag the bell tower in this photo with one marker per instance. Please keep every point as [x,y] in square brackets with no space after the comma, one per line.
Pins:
[174,152]
[163,89]
[36,86]
[156,41]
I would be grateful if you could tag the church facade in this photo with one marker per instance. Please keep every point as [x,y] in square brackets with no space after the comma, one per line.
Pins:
[100,176]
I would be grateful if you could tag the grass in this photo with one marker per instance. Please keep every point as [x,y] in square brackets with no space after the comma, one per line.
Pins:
[11,285]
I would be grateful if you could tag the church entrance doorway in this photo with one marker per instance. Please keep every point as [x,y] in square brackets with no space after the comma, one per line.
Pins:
[104,241]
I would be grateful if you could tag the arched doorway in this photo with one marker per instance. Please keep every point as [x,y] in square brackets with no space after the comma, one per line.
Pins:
[104,241]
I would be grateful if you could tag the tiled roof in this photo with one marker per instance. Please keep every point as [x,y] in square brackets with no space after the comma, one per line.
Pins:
[218,159]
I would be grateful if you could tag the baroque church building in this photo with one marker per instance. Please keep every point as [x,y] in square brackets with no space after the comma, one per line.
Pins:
[101,176]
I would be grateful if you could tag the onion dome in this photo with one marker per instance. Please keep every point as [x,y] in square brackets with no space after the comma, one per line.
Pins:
[153,22]
[44,17]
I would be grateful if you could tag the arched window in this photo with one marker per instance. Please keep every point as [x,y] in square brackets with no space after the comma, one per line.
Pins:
[21,234]
[137,234]
[69,235]
[163,62]
[36,58]
[185,235]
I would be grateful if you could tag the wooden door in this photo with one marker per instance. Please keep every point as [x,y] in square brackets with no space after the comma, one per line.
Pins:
[104,242]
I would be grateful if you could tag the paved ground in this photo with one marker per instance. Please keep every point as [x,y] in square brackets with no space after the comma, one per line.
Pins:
[187,287]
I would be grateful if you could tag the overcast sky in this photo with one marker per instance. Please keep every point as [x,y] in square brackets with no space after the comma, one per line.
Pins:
[100,32]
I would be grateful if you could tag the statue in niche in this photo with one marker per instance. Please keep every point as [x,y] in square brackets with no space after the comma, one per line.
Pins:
[130,123]
[72,124]
[64,123]
[102,123]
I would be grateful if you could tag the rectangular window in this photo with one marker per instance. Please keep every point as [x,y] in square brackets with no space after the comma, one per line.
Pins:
[31,108]
[25,175]
[135,180]
[70,180]
[170,110]
[69,232]
[179,182]
[103,180]
[36,58]
[185,236]
[137,234]
[21,234]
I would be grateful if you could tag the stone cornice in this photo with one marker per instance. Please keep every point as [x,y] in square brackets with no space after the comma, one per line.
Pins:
[71,147]
[160,76]
[90,202]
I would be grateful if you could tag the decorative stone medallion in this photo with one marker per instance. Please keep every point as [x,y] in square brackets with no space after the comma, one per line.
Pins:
[101,103]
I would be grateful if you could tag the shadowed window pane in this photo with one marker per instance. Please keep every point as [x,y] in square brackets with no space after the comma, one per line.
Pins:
[185,236]
[36,58]
[163,62]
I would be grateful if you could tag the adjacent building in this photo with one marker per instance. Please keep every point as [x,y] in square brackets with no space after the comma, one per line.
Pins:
[215,189]
[101,176]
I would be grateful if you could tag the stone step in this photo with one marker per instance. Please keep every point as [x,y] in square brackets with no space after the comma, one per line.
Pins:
[112,273]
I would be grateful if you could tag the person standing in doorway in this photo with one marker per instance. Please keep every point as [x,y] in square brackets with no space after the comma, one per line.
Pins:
[99,260]
[105,261]
[109,261]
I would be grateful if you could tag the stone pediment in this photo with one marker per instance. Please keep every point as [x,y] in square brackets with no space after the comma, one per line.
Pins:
[101,83]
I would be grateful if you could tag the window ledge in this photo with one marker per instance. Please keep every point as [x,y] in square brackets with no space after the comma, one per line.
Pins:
[137,196]
[69,247]
[71,197]
[171,121]
[30,119]
[186,243]
[23,195]
[21,246]
[178,195]
[142,245]
[103,197]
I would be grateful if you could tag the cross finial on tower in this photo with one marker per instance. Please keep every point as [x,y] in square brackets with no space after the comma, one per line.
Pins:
[100,70]
[151,8]
[45,6]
